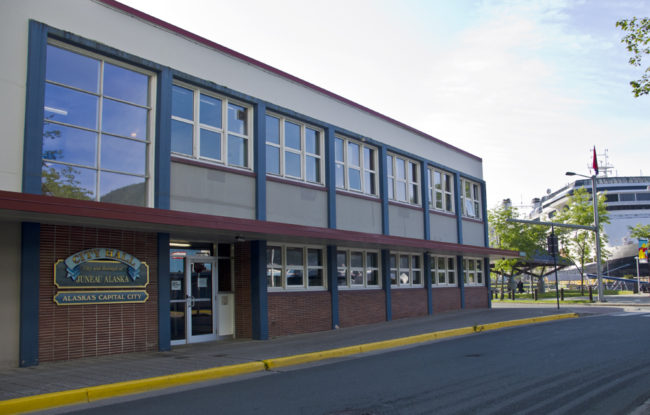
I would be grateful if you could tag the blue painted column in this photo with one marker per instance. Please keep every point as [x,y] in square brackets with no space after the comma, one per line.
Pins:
[163,144]
[332,283]
[461,280]
[164,321]
[383,190]
[488,280]
[259,299]
[34,103]
[427,282]
[330,176]
[487,275]
[427,233]
[385,276]
[259,159]
[29,282]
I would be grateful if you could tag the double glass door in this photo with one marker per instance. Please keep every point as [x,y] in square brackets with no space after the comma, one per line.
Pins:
[193,294]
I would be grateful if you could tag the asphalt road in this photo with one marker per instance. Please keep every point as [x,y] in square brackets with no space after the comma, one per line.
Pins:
[595,365]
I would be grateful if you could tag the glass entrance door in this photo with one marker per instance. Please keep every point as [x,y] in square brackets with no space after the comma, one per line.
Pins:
[193,294]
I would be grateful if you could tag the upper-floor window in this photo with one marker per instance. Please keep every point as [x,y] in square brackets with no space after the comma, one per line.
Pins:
[470,199]
[441,190]
[294,267]
[97,128]
[357,269]
[473,271]
[210,127]
[405,269]
[356,166]
[293,149]
[403,179]
[443,271]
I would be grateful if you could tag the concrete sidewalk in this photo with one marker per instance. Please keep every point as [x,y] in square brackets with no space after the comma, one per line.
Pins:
[161,369]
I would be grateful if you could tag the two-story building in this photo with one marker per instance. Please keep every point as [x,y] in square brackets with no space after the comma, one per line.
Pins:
[157,188]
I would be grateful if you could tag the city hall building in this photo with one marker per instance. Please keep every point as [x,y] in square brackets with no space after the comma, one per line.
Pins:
[159,189]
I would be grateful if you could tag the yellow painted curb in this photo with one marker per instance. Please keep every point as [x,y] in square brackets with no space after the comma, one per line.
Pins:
[93,393]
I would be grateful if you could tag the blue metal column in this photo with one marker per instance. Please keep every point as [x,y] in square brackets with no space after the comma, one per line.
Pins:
[486,261]
[459,229]
[330,176]
[427,233]
[488,281]
[259,160]
[461,280]
[163,145]
[29,282]
[259,299]
[385,276]
[383,190]
[164,321]
[332,283]
[34,103]
[427,282]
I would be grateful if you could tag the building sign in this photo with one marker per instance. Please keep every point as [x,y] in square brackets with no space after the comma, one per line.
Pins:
[100,297]
[101,268]
[98,272]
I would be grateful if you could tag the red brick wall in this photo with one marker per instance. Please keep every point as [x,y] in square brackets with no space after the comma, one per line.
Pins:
[70,332]
[358,307]
[476,297]
[408,302]
[243,311]
[445,299]
[299,312]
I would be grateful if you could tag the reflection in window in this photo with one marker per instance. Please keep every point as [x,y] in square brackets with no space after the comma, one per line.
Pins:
[405,270]
[357,269]
[290,267]
[80,161]
[209,127]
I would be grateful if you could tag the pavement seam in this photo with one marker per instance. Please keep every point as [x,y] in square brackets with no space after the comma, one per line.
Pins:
[94,393]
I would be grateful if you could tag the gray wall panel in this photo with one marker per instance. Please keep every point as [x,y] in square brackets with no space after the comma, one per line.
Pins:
[356,214]
[295,204]
[406,222]
[213,192]
[473,233]
[443,228]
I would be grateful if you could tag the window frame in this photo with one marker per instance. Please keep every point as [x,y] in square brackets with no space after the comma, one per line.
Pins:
[224,131]
[446,196]
[476,273]
[474,197]
[150,107]
[345,163]
[303,153]
[397,269]
[435,271]
[305,268]
[413,185]
[348,268]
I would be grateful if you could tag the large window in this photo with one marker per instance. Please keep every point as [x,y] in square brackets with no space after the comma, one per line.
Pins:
[473,271]
[96,132]
[293,149]
[405,270]
[356,166]
[210,127]
[357,269]
[293,267]
[403,179]
[470,198]
[443,271]
[441,190]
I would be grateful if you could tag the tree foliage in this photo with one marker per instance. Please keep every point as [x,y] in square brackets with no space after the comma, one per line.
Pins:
[579,245]
[639,231]
[637,41]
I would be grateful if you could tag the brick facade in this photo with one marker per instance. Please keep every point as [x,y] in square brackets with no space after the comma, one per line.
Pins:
[445,299]
[408,302]
[69,332]
[243,310]
[476,297]
[361,307]
[299,312]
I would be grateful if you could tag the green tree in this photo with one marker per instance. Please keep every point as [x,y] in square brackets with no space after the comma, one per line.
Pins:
[637,40]
[639,231]
[63,183]
[579,245]
[526,238]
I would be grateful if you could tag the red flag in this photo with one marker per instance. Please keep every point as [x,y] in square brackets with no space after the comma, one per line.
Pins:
[595,163]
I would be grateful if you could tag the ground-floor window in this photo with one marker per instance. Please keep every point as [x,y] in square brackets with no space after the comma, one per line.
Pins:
[294,267]
[473,271]
[357,269]
[405,269]
[443,271]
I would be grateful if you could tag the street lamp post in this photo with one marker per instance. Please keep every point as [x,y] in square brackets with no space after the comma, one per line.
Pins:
[594,197]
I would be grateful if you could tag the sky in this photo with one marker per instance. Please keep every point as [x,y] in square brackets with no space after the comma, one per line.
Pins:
[530,86]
